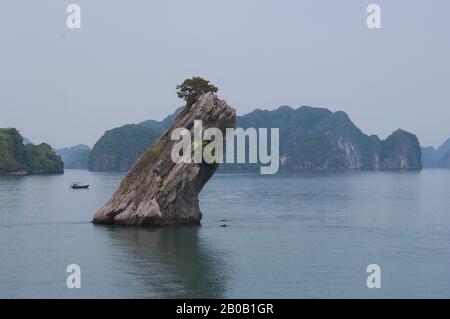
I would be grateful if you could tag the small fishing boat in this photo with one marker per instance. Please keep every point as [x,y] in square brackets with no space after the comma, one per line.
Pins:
[79,185]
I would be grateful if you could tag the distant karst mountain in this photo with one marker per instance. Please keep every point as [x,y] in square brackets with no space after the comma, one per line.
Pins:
[163,125]
[16,158]
[316,139]
[444,162]
[119,148]
[26,141]
[75,157]
[437,158]
[310,139]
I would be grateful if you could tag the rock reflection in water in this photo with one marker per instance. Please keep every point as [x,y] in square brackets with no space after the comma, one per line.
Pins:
[180,264]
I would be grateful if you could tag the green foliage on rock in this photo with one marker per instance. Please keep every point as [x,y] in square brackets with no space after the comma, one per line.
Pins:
[19,159]
[191,89]
[154,151]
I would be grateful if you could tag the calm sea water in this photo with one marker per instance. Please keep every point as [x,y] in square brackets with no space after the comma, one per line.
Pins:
[287,236]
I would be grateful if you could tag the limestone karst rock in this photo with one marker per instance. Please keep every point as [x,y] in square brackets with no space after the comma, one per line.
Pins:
[18,158]
[157,191]
[311,138]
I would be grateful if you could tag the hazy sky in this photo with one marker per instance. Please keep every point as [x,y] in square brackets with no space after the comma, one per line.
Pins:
[67,87]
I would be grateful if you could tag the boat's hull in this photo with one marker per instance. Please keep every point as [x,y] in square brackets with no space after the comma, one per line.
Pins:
[80,187]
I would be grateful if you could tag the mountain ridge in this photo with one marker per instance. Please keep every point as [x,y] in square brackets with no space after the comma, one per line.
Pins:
[437,158]
[119,148]
[16,158]
[315,138]
[75,157]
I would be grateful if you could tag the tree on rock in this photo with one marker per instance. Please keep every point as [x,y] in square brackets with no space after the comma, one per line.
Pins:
[191,89]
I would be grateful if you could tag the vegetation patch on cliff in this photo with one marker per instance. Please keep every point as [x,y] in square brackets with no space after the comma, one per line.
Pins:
[19,159]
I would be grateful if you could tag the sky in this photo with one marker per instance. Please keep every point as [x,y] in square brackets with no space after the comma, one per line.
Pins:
[68,86]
